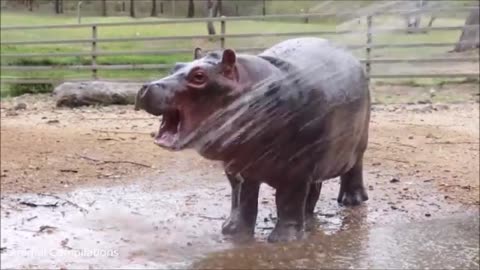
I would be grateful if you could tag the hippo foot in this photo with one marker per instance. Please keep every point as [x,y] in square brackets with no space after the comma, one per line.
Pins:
[311,222]
[235,226]
[353,198]
[286,233]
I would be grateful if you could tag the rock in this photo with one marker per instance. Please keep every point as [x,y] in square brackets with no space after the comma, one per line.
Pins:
[76,94]
[424,101]
[441,107]
[11,113]
[20,106]
[394,180]
[53,121]
[424,109]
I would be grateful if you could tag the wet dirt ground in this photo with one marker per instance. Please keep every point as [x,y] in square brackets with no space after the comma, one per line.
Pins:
[86,188]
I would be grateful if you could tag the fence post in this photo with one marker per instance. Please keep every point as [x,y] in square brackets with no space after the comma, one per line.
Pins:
[79,10]
[369,44]
[94,52]
[223,29]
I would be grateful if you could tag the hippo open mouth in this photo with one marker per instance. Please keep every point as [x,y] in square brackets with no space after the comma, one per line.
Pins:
[168,135]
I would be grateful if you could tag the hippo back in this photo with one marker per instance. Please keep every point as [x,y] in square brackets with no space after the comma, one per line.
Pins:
[318,62]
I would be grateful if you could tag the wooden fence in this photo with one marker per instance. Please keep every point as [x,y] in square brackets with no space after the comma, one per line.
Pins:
[368,46]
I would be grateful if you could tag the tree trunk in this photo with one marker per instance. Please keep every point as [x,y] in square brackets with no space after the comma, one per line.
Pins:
[132,8]
[218,9]
[154,12]
[57,6]
[104,8]
[432,19]
[191,9]
[210,11]
[413,22]
[469,39]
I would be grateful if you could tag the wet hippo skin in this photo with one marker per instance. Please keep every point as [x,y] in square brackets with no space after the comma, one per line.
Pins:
[291,117]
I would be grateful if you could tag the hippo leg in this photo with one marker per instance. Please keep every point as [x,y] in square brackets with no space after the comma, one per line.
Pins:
[243,214]
[352,190]
[312,198]
[291,204]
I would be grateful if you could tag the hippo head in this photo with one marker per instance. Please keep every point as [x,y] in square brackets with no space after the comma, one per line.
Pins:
[189,95]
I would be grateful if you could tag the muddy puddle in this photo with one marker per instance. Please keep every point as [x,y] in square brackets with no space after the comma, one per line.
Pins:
[174,222]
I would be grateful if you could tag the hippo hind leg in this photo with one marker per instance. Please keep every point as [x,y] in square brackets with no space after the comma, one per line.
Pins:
[352,189]
[243,214]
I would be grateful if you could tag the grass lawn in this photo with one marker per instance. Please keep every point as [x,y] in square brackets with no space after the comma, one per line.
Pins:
[179,30]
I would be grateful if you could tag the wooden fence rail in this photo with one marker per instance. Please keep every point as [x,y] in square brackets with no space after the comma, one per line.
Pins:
[303,16]
[94,41]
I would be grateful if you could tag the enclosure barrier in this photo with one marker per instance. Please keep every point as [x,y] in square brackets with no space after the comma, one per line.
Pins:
[94,52]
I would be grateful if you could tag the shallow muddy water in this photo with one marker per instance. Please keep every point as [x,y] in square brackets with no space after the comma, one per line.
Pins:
[173,221]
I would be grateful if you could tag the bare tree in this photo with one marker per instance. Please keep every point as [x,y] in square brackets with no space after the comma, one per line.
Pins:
[132,8]
[29,4]
[154,12]
[104,8]
[413,22]
[210,13]
[218,8]
[469,39]
[432,19]
[58,6]
[191,9]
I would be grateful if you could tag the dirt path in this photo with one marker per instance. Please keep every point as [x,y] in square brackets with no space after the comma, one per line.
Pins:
[49,149]
[120,201]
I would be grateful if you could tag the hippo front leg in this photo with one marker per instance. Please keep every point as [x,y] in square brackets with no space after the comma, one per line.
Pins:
[312,199]
[243,214]
[291,204]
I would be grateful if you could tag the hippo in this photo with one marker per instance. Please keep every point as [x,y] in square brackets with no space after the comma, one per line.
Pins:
[291,117]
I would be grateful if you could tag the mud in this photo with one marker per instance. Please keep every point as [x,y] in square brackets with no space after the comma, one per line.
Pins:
[120,202]
[154,224]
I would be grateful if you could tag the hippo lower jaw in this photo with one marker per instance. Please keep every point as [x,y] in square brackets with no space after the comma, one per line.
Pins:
[168,135]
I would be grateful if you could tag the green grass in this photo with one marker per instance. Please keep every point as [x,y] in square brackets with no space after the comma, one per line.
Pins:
[179,30]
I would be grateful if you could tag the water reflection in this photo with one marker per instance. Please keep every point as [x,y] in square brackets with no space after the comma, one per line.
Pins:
[436,244]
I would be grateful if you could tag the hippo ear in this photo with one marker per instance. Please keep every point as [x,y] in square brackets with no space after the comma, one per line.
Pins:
[197,53]
[229,58]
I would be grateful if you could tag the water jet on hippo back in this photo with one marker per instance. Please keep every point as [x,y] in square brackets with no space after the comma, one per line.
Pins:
[291,116]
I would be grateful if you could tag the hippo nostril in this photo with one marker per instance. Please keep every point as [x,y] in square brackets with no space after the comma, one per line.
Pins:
[140,95]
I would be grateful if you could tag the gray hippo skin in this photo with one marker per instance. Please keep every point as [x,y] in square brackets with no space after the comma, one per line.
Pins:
[291,117]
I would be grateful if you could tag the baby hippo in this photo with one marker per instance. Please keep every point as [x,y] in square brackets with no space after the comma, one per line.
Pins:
[291,117]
